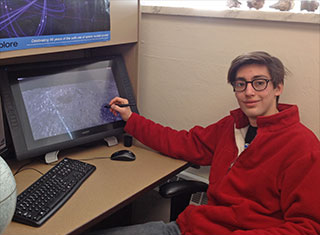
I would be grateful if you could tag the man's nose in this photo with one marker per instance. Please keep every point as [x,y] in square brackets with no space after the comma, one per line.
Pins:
[249,90]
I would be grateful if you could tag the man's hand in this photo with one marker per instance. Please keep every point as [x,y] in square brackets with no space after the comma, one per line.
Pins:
[124,112]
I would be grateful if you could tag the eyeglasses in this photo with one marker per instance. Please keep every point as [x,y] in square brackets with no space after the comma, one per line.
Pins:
[257,84]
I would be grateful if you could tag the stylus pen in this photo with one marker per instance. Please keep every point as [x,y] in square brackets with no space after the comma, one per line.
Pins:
[120,105]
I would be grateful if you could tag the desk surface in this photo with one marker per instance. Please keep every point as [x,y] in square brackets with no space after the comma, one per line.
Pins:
[113,185]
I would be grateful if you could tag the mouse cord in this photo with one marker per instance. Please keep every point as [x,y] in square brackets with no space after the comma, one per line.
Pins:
[93,158]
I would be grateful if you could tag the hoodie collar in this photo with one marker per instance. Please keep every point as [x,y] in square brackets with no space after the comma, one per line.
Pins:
[288,115]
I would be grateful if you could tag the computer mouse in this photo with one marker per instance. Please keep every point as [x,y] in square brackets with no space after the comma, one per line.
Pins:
[123,155]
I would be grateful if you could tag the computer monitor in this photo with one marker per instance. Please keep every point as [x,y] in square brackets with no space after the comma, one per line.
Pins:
[6,149]
[60,104]
[2,132]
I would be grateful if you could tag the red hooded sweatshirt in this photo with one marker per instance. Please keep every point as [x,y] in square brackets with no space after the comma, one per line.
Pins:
[272,187]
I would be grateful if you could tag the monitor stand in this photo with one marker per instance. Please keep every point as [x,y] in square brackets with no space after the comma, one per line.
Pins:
[111,140]
[51,157]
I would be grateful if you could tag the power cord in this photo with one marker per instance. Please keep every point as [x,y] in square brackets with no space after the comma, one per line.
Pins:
[21,168]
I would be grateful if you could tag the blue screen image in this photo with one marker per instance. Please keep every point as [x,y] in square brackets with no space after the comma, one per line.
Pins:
[22,18]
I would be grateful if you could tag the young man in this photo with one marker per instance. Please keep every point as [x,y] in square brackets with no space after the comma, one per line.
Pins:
[265,165]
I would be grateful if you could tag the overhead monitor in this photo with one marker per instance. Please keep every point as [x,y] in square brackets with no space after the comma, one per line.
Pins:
[60,104]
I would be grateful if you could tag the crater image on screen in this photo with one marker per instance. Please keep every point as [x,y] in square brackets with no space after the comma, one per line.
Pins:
[58,105]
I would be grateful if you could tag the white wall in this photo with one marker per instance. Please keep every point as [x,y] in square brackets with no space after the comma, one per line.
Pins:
[184,62]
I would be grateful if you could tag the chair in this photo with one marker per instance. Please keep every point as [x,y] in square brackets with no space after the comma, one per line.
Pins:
[180,193]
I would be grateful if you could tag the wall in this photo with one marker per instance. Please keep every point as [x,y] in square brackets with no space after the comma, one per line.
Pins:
[184,62]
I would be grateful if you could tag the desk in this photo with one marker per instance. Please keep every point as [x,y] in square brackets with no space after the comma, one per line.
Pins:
[112,186]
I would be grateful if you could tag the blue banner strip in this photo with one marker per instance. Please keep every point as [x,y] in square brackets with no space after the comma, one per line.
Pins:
[9,44]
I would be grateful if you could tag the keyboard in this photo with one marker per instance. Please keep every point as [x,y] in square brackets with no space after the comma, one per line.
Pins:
[43,198]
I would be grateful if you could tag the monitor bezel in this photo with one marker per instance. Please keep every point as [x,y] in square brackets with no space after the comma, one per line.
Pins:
[16,114]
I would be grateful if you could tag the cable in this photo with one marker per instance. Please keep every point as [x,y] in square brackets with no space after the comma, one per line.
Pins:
[30,168]
[93,158]
[20,168]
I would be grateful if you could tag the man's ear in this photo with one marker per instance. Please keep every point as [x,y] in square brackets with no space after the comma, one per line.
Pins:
[279,89]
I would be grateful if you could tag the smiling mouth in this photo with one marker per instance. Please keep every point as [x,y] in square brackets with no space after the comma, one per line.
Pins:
[250,103]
